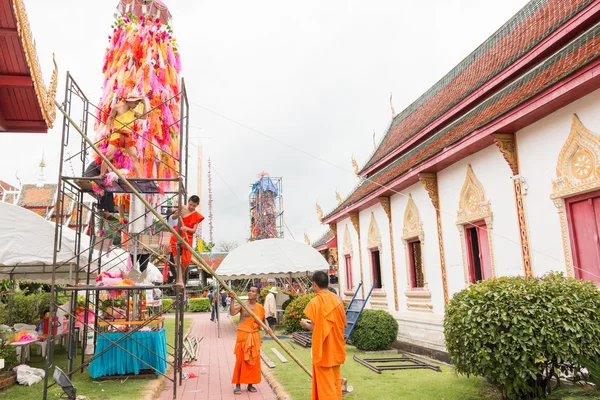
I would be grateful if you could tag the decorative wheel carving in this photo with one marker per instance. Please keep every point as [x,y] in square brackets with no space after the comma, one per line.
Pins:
[582,164]
[472,202]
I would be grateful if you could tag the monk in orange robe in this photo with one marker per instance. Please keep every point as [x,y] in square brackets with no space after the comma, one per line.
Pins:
[190,218]
[247,345]
[327,323]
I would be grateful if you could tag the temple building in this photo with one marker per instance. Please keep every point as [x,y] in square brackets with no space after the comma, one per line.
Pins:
[494,171]
[26,104]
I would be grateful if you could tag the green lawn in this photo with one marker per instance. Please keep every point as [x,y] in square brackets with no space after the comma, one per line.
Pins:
[418,384]
[95,390]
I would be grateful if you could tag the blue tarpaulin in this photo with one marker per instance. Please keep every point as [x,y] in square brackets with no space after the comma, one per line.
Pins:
[265,184]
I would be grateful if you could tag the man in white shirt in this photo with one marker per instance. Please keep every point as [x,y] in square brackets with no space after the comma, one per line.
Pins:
[271,307]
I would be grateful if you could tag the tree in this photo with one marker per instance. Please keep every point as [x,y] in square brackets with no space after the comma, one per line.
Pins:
[225,246]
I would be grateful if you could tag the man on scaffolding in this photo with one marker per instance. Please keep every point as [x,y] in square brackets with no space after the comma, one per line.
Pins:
[190,218]
[120,126]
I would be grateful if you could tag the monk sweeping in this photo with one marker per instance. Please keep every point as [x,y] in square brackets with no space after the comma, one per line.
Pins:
[190,218]
[327,323]
[247,345]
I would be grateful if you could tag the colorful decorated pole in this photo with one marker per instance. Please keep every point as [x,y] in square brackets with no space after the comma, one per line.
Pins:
[142,58]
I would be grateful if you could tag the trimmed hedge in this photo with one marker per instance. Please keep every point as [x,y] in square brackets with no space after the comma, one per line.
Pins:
[199,305]
[374,330]
[295,312]
[519,333]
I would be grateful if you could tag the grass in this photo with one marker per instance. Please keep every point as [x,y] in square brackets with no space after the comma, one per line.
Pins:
[420,384]
[95,390]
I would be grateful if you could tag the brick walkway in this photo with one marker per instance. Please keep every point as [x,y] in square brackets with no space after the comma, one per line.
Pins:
[214,366]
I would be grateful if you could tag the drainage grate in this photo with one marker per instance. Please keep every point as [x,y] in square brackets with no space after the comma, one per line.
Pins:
[394,363]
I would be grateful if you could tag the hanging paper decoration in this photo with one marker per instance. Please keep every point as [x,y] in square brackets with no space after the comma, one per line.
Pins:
[142,56]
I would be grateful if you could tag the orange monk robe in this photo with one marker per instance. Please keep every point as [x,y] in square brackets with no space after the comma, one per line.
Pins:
[247,350]
[190,221]
[328,346]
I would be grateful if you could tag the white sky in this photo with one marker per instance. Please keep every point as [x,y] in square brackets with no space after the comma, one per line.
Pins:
[315,75]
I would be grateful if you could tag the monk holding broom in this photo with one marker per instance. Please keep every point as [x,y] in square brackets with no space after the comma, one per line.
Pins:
[327,323]
[247,345]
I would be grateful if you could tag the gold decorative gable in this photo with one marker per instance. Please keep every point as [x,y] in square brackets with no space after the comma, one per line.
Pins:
[413,227]
[347,249]
[472,205]
[374,237]
[578,166]
[44,95]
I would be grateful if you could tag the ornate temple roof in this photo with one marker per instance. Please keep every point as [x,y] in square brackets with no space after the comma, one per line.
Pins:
[26,105]
[573,48]
[39,199]
[6,190]
[325,239]
[478,72]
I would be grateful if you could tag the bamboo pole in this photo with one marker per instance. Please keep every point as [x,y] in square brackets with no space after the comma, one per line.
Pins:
[203,264]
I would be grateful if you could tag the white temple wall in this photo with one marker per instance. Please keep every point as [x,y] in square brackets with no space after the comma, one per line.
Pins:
[539,146]
[353,239]
[380,298]
[494,174]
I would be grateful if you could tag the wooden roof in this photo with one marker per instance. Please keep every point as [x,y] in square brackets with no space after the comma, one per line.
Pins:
[26,105]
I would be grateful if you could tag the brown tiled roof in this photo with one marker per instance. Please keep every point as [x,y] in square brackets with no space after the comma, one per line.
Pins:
[33,196]
[7,187]
[573,56]
[85,214]
[11,198]
[533,23]
[326,237]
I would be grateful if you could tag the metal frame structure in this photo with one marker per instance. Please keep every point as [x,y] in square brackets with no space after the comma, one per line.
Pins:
[254,204]
[75,189]
[409,363]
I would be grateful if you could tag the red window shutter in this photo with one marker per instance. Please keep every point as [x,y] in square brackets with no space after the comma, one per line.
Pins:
[584,227]
[484,252]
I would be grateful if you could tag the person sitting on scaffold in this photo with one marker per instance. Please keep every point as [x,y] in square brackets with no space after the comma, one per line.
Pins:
[120,126]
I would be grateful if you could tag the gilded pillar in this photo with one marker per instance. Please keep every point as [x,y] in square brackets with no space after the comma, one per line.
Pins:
[429,181]
[508,147]
[387,207]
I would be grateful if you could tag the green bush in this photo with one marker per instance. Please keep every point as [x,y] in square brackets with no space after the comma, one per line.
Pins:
[9,354]
[519,333]
[199,305]
[295,312]
[167,303]
[374,330]
[28,309]
[286,303]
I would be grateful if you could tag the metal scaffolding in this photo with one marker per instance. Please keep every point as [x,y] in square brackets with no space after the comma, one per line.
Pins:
[86,262]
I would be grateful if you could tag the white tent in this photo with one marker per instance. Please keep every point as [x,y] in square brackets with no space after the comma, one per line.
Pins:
[27,249]
[273,258]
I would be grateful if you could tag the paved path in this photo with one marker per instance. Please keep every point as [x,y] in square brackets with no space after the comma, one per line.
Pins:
[214,366]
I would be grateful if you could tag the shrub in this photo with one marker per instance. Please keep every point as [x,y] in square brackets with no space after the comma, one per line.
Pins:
[9,354]
[287,303]
[519,333]
[199,305]
[167,303]
[374,330]
[295,312]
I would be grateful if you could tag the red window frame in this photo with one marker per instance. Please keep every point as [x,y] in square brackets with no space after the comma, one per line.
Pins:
[483,250]
[379,284]
[348,263]
[411,261]
[577,258]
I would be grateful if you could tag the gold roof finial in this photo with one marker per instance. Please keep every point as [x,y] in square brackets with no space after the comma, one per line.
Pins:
[338,197]
[42,163]
[355,165]
[306,239]
[319,212]
[392,106]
